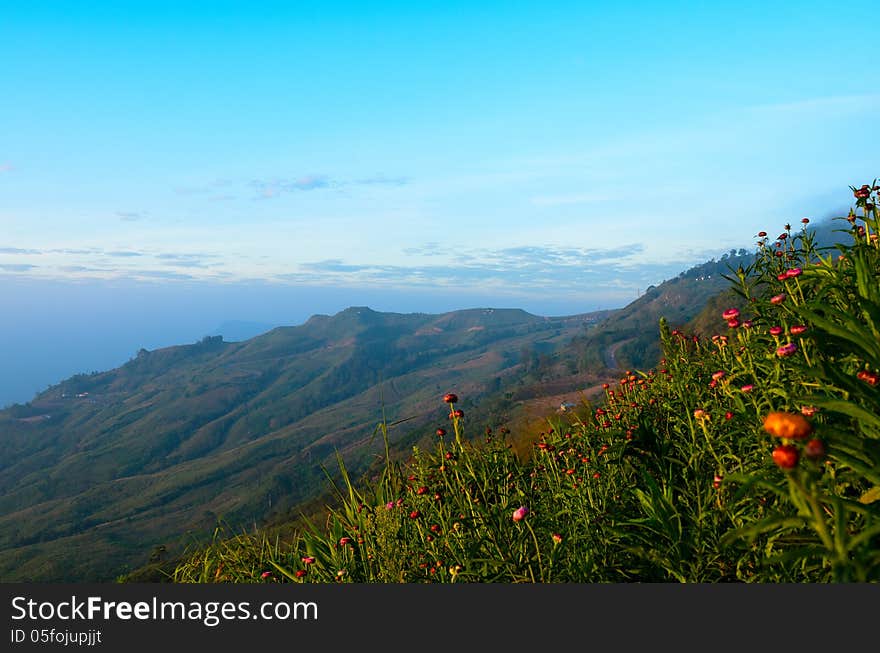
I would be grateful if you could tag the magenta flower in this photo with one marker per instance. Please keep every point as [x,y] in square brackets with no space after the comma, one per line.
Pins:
[794,272]
[734,323]
[308,560]
[786,350]
[520,513]
[730,313]
[798,329]
[748,387]
[778,299]
[776,331]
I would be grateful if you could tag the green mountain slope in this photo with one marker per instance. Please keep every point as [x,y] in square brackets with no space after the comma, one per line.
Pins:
[100,469]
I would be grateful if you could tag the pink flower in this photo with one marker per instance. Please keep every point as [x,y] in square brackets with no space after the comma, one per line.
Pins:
[776,331]
[798,329]
[734,323]
[520,513]
[748,387]
[718,375]
[266,574]
[778,299]
[307,560]
[730,313]
[794,272]
[786,350]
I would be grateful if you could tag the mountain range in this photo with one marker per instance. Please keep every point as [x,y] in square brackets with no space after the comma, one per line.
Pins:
[103,469]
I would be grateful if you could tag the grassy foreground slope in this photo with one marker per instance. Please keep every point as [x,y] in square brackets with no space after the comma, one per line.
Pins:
[749,455]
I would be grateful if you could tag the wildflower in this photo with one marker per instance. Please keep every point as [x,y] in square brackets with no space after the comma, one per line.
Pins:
[868,377]
[786,350]
[450,398]
[700,414]
[776,331]
[557,538]
[389,505]
[782,276]
[307,560]
[457,413]
[814,449]
[415,514]
[786,456]
[596,475]
[520,513]
[716,482]
[730,313]
[344,540]
[340,573]
[805,220]
[863,192]
[718,375]
[793,272]
[300,573]
[748,387]
[441,433]
[266,574]
[422,490]
[728,415]
[734,323]
[787,425]
[747,324]
[778,299]
[809,411]
[798,329]
[762,234]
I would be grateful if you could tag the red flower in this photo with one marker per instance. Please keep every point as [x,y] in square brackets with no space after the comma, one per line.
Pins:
[776,331]
[734,323]
[730,313]
[805,220]
[716,482]
[786,350]
[520,513]
[793,272]
[798,329]
[300,573]
[786,456]
[814,449]
[441,433]
[456,413]
[450,398]
[778,299]
[422,490]
[415,514]
[762,234]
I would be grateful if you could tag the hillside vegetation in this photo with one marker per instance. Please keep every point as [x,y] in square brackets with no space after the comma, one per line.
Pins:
[102,471]
[750,454]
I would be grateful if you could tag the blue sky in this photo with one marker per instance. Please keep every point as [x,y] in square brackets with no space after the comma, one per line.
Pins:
[554,156]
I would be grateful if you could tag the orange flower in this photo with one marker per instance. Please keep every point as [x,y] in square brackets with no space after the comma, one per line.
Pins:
[787,425]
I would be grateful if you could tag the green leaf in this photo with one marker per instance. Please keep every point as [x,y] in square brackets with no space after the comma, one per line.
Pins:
[871,495]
